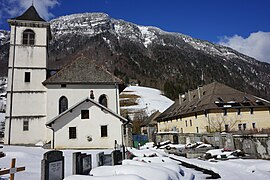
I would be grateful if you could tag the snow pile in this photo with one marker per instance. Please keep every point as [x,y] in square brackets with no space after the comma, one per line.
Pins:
[223,154]
[116,177]
[152,152]
[233,169]
[150,99]
[144,166]
[142,171]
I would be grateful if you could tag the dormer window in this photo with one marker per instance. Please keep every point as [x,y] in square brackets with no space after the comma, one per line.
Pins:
[28,37]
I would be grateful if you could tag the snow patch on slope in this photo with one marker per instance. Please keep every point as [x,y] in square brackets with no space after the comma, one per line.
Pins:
[151,99]
[147,35]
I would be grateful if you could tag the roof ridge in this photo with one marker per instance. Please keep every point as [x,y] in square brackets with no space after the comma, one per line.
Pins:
[82,101]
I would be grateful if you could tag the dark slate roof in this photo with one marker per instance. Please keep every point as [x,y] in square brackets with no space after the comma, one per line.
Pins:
[87,100]
[83,71]
[151,119]
[210,97]
[30,14]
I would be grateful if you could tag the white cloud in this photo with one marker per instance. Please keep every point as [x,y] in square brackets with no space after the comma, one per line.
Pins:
[256,45]
[13,8]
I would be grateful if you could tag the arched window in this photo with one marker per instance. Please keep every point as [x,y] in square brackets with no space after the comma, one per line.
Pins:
[103,100]
[28,37]
[63,104]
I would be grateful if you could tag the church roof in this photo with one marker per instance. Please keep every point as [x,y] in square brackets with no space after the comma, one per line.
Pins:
[210,97]
[83,71]
[87,100]
[30,14]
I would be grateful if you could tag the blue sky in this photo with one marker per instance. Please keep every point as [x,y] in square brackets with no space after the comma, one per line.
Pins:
[240,24]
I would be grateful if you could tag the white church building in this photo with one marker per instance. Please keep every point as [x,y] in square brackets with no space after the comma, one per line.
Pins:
[78,107]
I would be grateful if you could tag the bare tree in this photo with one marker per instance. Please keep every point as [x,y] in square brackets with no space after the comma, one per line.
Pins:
[139,118]
[221,123]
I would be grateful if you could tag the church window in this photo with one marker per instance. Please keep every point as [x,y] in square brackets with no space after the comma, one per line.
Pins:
[72,133]
[63,104]
[28,37]
[104,131]
[85,114]
[27,76]
[103,100]
[25,125]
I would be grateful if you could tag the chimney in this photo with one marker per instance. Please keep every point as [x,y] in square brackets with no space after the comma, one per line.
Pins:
[199,92]
[189,95]
[180,99]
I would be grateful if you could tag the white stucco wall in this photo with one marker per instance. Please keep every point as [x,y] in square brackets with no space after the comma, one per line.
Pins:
[37,76]
[40,33]
[27,104]
[35,134]
[87,127]
[29,98]
[76,93]
[28,56]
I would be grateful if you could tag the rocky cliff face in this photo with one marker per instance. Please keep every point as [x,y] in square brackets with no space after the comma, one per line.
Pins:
[172,62]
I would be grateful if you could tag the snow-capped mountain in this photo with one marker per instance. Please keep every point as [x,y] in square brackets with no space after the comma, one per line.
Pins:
[173,62]
[3,93]
[4,37]
[91,24]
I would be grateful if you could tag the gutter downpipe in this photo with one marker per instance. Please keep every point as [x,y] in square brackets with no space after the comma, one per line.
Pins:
[116,95]
[122,129]
[53,136]
[123,124]
[12,83]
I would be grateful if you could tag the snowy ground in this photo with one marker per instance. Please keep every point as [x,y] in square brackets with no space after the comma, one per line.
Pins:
[31,157]
[151,99]
[234,169]
[230,169]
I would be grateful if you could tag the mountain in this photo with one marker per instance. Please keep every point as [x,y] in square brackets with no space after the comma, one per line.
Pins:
[172,62]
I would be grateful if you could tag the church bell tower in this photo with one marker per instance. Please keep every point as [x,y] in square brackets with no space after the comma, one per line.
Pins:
[27,69]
